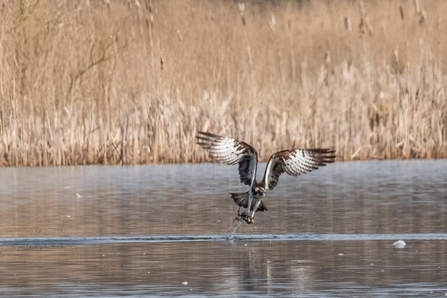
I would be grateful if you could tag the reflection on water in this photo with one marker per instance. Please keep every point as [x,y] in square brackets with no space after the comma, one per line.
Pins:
[245,268]
[357,198]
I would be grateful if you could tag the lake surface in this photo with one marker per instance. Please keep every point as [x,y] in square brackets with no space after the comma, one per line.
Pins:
[167,230]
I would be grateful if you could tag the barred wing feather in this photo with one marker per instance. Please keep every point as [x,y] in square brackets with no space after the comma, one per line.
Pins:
[231,151]
[295,162]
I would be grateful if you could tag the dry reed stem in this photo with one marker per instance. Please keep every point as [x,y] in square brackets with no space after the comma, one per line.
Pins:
[121,83]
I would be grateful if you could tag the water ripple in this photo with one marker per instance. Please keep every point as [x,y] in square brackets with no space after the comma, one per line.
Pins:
[58,241]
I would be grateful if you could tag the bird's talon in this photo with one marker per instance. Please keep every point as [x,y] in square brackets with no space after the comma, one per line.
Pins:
[243,217]
[249,220]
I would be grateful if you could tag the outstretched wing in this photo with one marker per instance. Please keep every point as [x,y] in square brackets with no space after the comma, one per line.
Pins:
[295,162]
[231,151]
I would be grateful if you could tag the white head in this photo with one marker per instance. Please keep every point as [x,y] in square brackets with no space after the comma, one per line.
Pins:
[259,191]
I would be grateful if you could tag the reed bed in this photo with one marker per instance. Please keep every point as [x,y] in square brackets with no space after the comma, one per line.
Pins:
[130,82]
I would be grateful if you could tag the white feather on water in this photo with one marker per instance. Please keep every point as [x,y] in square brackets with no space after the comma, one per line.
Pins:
[399,244]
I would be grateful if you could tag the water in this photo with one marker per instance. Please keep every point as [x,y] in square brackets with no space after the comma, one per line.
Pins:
[168,230]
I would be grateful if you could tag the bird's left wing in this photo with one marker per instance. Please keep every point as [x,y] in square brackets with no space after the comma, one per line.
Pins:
[295,162]
[231,151]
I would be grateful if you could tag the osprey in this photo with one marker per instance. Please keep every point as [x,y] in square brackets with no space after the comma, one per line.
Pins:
[291,161]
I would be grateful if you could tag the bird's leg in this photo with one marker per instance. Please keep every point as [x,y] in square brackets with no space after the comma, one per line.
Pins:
[250,198]
[255,208]
[242,216]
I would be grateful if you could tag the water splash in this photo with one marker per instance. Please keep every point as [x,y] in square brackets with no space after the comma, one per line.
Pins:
[238,224]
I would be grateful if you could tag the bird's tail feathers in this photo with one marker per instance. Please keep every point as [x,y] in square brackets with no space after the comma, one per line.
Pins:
[241,199]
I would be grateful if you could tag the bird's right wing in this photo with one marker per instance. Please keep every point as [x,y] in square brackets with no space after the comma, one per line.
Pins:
[295,162]
[231,151]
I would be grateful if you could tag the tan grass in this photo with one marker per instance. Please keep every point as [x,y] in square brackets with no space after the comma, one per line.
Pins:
[128,82]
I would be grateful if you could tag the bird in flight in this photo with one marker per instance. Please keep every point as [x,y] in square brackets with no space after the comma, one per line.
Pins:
[291,161]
